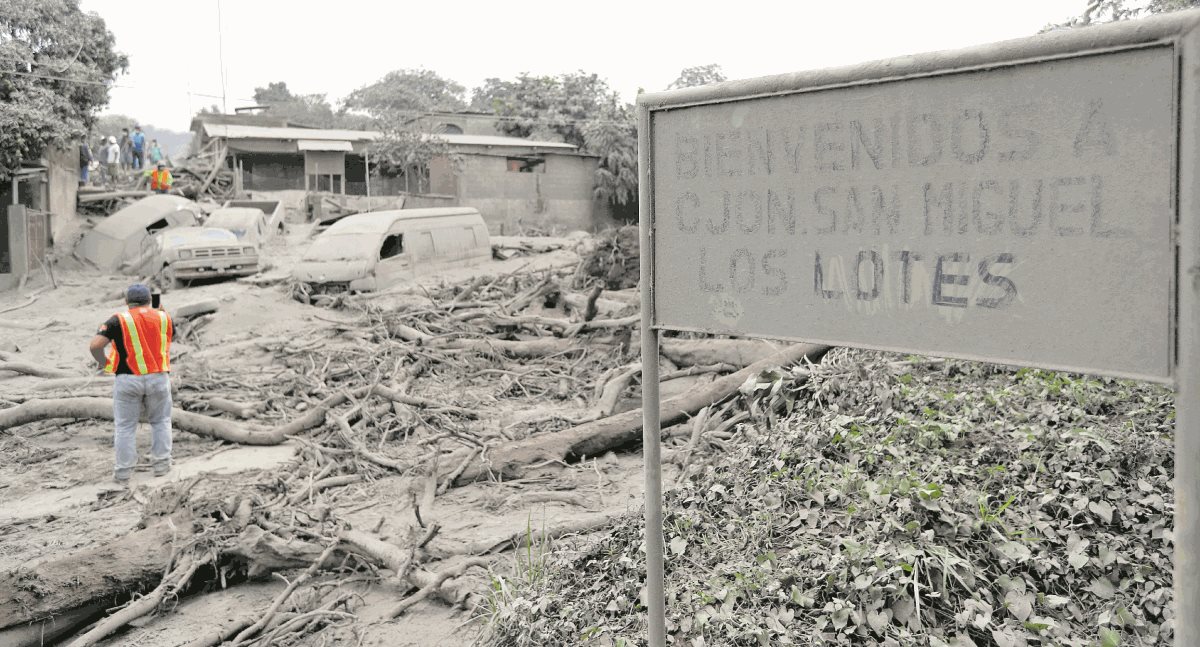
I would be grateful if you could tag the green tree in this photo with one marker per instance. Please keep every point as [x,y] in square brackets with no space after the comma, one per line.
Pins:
[406,93]
[56,66]
[614,138]
[691,77]
[392,105]
[406,150]
[577,108]
[546,107]
[303,109]
[1097,11]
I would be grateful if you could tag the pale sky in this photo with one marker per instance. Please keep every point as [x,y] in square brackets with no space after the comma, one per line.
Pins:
[332,48]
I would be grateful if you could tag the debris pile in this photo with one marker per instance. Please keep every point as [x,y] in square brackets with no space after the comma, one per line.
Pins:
[204,176]
[472,381]
[612,260]
[905,502]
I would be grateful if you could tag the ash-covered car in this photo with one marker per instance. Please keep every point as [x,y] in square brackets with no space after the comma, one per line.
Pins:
[189,253]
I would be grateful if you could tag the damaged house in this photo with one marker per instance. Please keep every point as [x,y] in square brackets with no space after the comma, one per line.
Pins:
[516,184]
[37,207]
[269,154]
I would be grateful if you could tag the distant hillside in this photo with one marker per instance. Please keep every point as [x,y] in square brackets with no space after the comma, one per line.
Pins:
[174,143]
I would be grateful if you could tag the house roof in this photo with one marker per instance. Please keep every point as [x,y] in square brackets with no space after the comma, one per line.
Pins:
[310,136]
[232,131]
[497,140]
[324,145]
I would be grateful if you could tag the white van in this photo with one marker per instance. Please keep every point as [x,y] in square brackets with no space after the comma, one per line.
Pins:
[372,251]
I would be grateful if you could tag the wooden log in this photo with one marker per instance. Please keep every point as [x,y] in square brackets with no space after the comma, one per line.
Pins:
[218,164]
[102,409]
[699,352]
[34,370]
[610,307]
[34,593]
[528,349]
[595,438]
[193,310]
[110,195]
[238,409]
[104,381]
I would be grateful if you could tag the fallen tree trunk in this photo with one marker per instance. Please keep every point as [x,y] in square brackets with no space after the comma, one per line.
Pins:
[529,349]
[698,352]
[102,409]
[595,438]
[193,310]
[68,383]
[84,198]
[207,426]
[603,306]
[38,592]
[34,370]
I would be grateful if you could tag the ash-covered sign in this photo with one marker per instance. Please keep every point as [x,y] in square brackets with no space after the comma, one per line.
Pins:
[1020,214]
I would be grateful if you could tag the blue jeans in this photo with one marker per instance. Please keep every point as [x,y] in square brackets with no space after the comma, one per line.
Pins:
[134,395]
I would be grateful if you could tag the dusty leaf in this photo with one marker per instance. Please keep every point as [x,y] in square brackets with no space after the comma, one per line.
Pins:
[878,620]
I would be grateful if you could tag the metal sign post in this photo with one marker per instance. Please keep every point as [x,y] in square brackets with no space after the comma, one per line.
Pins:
[1187,385]
[1034,202]
[651,448]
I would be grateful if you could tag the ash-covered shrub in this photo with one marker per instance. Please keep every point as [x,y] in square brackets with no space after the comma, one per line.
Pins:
[905,502]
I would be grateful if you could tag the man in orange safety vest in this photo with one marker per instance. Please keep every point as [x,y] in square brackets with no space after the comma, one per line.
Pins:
[138,343]
[160,178]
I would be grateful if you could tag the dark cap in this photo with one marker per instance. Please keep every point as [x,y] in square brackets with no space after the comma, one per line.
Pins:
[137,293]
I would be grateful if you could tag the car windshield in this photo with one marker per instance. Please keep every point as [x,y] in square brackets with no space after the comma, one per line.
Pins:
[342,247]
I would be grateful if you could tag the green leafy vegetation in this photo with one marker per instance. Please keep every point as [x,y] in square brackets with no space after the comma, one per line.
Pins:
[56,64]
[1027,508]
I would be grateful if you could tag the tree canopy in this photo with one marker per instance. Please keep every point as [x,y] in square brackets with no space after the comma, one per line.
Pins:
[303,109]
[691,77]
[547,107]
[1098,11]
[56,66]
[403,92]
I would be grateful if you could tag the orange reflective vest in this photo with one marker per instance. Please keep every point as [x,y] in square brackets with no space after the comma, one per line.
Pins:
[146,334]
[110,366]
[160,179]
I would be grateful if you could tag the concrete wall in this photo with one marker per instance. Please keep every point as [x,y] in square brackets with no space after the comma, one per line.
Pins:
[469,124]
[296,212]
[62,188]
[557,200]
[18,247]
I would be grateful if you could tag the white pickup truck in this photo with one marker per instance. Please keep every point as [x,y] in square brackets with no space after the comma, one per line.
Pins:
[188,253]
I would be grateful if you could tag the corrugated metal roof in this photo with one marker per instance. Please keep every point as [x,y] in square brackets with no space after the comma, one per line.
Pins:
[324,145]
[497,140]
[232,131]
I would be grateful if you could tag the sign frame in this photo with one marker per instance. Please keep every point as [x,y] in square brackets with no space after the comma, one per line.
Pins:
[1178,31]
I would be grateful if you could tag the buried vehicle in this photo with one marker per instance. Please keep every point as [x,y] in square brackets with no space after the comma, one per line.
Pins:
[190,253]
[120,241]
[372,251]
[273,210]
[250,225]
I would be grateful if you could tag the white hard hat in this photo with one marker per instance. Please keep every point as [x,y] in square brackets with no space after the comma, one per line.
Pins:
[112,140]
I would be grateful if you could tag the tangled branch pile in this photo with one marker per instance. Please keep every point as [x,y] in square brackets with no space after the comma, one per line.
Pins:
[904,503]
[613,259]
[478,380]
[205,175]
